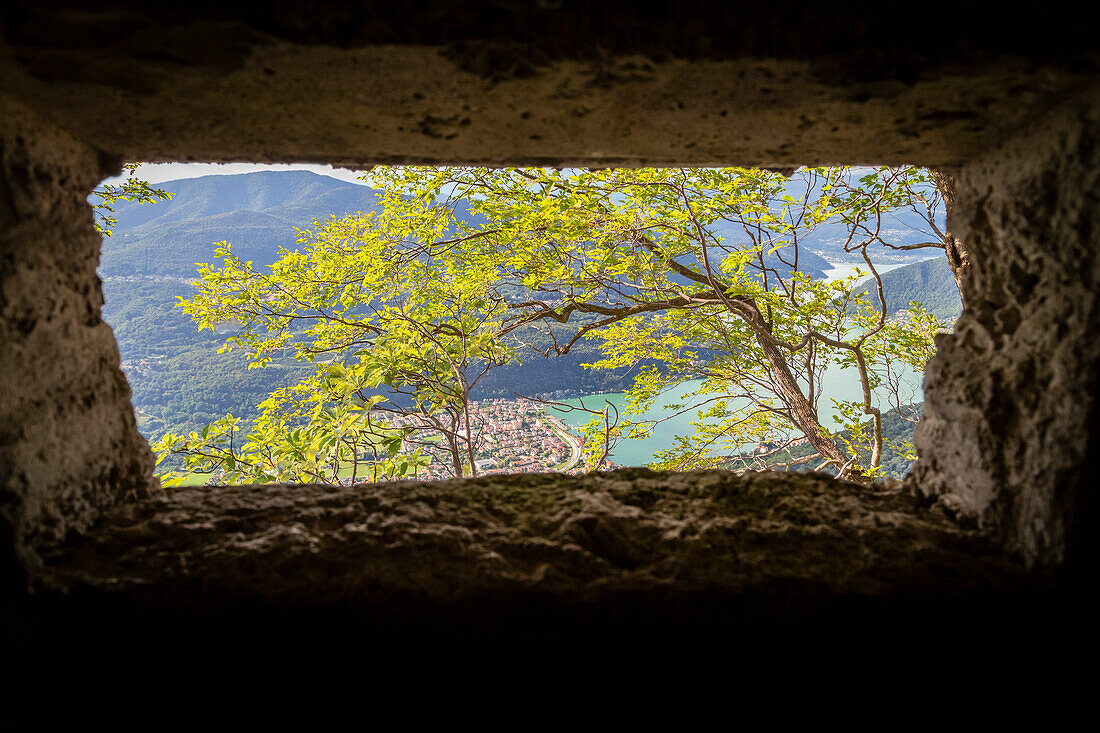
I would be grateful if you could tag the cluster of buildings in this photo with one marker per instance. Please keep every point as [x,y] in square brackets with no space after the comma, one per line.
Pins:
[513,436]
[141,366]
[518,437]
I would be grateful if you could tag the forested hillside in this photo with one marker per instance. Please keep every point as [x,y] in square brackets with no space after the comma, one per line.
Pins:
[929,282]
[255,212]
[178,378]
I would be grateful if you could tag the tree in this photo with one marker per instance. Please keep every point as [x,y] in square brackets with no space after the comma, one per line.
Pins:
[401,329]
[695,274]
[333,441]
[927,192]
[130,189]
[679,273]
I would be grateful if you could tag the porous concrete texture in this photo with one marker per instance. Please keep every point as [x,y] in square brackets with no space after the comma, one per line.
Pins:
[709,553]
[629,529]
[1011,394]
[69,444]
[1006,101]
[619,83]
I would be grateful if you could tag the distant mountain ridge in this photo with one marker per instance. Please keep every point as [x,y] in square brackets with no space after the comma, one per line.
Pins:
[255,212]
[274,192]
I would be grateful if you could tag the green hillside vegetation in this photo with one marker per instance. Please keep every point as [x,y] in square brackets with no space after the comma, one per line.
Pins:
[929,282]
[178,378]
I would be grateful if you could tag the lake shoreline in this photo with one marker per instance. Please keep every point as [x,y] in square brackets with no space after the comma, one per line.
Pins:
[839,384]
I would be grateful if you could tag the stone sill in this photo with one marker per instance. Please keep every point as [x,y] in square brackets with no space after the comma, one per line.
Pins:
[628,549]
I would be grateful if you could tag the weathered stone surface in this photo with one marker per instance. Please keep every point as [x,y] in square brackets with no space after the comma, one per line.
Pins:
[1008,102]
[1011,394]
[575,85]
[707,552]
[68,441]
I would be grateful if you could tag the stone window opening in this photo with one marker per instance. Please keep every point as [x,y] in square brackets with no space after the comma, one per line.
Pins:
[997,512]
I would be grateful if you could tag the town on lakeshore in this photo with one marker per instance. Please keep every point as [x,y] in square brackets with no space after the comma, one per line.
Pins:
[514,436]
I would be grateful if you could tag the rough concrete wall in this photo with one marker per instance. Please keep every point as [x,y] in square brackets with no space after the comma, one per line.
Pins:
[1008,396]
[1011,394]
[68,441]
[781,541]
[507,83]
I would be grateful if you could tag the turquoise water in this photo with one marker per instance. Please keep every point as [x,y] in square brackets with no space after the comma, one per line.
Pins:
[840,384]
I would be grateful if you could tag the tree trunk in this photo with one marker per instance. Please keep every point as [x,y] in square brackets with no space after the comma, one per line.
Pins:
[958,257]
[469,436]
[802,412]
[456,455]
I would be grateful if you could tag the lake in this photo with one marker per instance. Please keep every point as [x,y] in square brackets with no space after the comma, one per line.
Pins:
[839,384]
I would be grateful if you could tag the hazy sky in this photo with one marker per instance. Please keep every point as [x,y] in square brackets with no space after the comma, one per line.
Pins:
[157,172]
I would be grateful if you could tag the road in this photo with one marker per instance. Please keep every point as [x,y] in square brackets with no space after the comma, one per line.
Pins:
[574,443]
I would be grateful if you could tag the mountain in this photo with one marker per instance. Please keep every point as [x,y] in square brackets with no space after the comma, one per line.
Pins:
[903,227]
[928,282]
[255,212]
[178,379]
